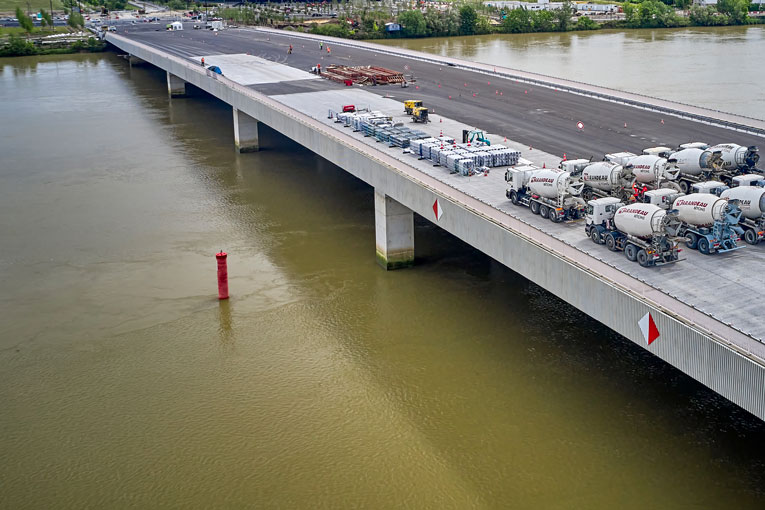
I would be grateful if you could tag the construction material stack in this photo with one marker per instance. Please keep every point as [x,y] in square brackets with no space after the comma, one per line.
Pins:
[362,75]
[464,158]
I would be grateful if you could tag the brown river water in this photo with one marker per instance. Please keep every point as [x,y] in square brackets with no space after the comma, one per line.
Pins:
[325,382]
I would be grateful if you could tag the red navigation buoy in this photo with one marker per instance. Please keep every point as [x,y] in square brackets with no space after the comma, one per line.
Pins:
[222,275]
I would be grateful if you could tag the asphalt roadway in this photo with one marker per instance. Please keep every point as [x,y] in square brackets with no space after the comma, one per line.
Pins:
[537,116]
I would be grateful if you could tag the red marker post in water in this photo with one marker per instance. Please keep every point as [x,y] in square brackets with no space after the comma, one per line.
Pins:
[222,275]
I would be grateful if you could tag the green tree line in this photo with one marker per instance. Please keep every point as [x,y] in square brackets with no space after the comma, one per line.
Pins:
[474,19]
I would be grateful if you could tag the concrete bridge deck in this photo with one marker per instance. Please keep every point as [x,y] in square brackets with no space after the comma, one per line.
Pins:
[706,307]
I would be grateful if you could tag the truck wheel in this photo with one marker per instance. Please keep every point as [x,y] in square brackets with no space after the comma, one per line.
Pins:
[704,245]
[630,251]
[692,241]
[544,211]
[642,258]
[611,242]
[554,216]
[750,236]
[595,236]
[587,194]
[514,197]
[534,206]
[684,186]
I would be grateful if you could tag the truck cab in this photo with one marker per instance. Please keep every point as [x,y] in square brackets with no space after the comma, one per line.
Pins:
[518,177]
[619,158]
[713,187]
[601,210]
[574,166]
[748,180]
[663,197]
[662,152]
[693,145]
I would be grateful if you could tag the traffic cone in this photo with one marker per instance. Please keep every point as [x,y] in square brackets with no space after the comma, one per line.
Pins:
[440,120]
[544,165]
[564,156]
[530,148]
[505,138]
[442,133]
[662,121]
[625,124]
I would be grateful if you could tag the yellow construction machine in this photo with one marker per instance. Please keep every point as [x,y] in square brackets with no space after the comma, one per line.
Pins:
[410,105]
[420,115]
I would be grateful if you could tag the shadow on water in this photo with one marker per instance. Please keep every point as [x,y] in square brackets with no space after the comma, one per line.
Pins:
[321,219]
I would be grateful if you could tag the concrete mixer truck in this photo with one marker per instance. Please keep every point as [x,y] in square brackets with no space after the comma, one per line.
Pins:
[751,200]
[709,223]
[604,179]
[720,163]
[646,233]
[549,193]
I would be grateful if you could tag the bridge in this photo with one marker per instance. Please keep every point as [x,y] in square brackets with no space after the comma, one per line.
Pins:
[705,309]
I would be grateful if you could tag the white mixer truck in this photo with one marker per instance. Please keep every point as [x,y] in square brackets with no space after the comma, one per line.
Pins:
[604,179]
[720,162]
[646,233]
[751,200]
[710,223]
[549,193]
[631,178]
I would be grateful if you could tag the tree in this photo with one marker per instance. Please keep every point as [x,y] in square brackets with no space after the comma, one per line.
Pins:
[47,19]
[736,10]
[76,20]
[25,21]
[586,23]
[544,21]
[518,21]
[412,24]
[468,20]
[563,16]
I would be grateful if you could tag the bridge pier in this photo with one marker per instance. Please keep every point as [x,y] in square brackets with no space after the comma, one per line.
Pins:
[134,61]
[245,132]
[394,233]
[176,87]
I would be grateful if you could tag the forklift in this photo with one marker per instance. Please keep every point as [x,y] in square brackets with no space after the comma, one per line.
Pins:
[410,105]
[420,114]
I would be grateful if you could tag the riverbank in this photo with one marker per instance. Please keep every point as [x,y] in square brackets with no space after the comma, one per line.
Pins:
[387,21]
[79,42]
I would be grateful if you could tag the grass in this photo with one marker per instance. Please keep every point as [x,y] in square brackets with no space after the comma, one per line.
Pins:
[9,6]
[6,31]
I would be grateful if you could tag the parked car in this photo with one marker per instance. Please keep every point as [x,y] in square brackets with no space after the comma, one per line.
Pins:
[216,70]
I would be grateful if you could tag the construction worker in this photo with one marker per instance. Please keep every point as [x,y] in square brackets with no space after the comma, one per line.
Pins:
[203,61]
[321,45]
[329,52]
[318,68]
[289,51]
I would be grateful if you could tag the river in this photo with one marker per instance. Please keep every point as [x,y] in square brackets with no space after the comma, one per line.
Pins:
[325,382]
[715,67]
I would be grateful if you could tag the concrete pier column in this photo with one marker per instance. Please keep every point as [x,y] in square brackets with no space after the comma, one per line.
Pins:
[394,233]
[175,86]
[134,61]
[245,132]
